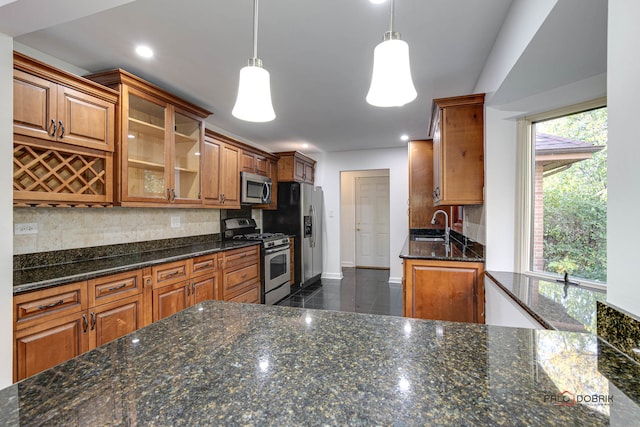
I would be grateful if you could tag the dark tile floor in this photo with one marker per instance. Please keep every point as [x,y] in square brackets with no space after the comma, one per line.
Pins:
[361,291]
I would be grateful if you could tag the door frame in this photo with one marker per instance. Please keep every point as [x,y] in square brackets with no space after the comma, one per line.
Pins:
[348,212]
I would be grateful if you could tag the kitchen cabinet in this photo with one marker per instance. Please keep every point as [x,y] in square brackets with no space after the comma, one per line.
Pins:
[181,284]
[457,129]
[64,137]
[160,141]
[57,324]
[443,290]
[241,274]
[294,166]
[221,176]
[421,205]
[254,163]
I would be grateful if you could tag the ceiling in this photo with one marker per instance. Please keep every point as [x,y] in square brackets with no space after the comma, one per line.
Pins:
[319,55]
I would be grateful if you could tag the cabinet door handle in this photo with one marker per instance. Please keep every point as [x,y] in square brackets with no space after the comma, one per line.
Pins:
[113,288]
[53,304]
[61,129]
[173,194]
[168,194]
[55,128]
[85,323]
[93,320]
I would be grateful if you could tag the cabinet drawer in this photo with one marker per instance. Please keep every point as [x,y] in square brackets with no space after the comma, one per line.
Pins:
[250,296]
[239,257]
[112,288]
[166,274]
[43,305]
[242,275]
[203,265]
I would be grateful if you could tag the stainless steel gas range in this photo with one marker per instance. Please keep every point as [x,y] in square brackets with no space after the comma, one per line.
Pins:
[275,266]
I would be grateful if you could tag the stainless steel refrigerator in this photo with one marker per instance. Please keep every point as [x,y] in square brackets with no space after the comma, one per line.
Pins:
[299,214]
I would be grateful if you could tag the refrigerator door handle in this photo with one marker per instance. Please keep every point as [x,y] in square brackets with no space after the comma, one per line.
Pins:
[313,226]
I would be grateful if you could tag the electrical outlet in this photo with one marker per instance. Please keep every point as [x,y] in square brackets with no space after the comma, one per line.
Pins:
[175,222]
[26,228]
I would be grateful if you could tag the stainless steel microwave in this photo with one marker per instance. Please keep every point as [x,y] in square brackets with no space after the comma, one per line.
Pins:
[255,189]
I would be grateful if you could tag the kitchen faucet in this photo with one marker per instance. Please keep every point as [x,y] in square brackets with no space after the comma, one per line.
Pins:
[446,224]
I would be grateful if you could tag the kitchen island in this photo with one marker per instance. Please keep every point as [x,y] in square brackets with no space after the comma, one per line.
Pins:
[220,363]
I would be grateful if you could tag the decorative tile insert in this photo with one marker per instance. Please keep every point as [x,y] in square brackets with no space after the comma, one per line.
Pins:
[620,329]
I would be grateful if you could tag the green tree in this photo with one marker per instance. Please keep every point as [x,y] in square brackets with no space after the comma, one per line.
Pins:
[575,201]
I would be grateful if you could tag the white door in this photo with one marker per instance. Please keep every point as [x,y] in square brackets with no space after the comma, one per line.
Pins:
[372,221]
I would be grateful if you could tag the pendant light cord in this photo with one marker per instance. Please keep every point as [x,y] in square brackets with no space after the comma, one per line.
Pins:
[255,29]
[390,15]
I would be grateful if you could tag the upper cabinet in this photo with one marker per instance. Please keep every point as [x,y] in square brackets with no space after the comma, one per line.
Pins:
[161,138]
[295,167]
[457,128]
[421,204]
[254,163]
[221,174]
[64,137]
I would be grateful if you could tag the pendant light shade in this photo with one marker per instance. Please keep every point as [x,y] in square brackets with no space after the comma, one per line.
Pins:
[391,81]
[254,94]
[253,103]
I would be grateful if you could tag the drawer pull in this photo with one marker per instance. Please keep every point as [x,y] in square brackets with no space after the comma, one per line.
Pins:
[244,276]
[124,285]
[53,304]
[173,273]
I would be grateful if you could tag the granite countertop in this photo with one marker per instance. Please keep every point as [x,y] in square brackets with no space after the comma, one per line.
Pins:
[460,248]
[47,276]
[221,363]
[550,303]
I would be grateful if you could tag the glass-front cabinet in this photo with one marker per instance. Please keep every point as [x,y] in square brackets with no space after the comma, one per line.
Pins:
[161,138]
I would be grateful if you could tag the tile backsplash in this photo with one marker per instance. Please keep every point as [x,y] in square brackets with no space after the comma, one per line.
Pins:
[71,228]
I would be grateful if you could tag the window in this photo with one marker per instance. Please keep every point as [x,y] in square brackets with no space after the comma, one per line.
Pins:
[566,197]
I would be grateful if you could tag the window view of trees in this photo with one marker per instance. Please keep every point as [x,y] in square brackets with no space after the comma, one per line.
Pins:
[571,155]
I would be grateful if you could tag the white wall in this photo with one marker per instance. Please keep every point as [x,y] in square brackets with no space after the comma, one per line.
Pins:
[500,190]
[6,210]
[328,176]
[623,69]
[348,213]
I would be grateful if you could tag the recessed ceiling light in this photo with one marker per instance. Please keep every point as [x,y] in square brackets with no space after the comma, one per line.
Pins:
[377,1]
[305,145]
[144,51]
[404,137]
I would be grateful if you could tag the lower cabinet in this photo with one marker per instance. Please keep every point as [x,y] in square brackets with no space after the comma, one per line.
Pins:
[241,275]
[181,284]
[57,324]
[443,290]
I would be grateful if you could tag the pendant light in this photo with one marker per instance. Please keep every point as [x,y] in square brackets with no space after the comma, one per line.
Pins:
[253,103]
[391,82]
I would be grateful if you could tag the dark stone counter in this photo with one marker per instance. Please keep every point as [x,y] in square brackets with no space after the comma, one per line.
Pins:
[552,304]
[222,363]
[459,248]
[29,279]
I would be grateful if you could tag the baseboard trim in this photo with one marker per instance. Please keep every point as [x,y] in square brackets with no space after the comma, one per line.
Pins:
[395,280]
[333,276]
[347,264]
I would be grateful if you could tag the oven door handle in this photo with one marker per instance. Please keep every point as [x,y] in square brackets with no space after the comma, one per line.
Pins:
[276,249]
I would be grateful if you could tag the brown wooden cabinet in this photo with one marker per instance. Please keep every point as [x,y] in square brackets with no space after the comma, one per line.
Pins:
[254,162]
[64,129]
[421,206]
[57,324]
[457,129]
[181,284]
[221,174]
[241,274]
[443,290]
[294,166]
[159,143]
